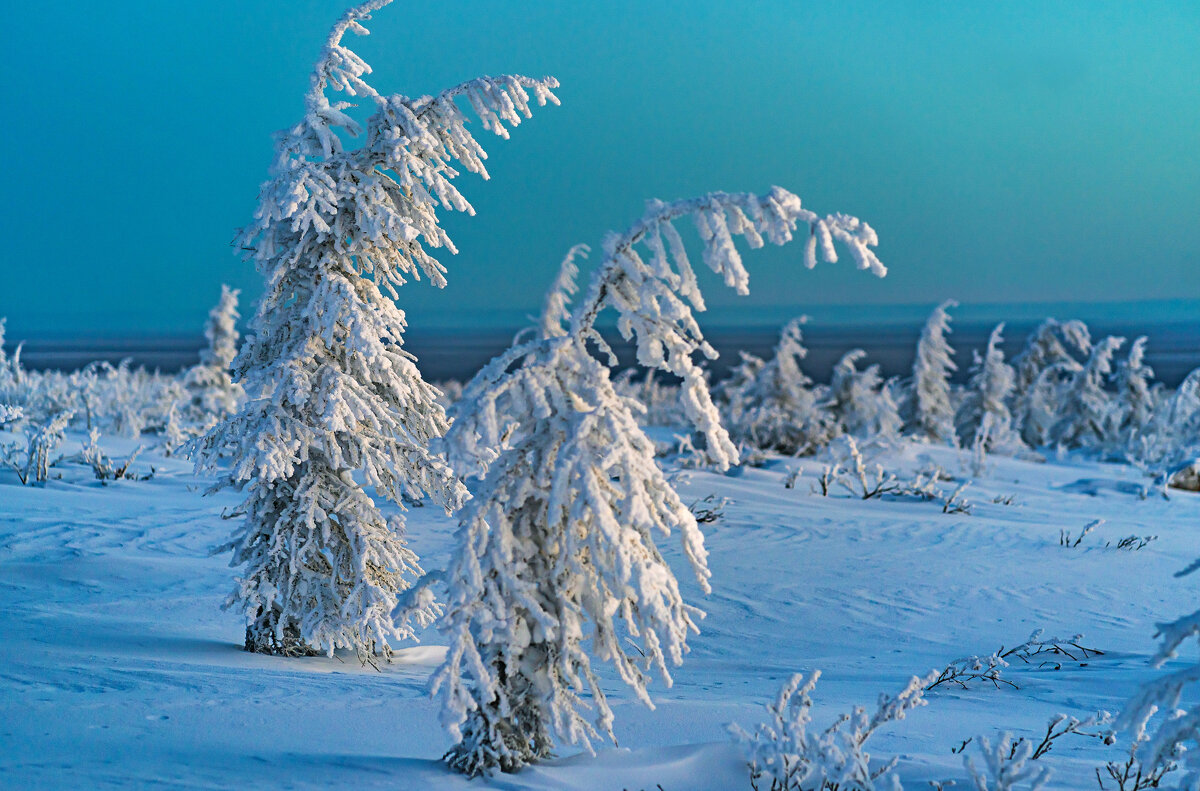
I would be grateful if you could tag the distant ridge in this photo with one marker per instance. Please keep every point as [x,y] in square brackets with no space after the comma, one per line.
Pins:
[1173,350]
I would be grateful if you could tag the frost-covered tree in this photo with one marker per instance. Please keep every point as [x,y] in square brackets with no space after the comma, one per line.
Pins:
[659,400]
[1052,342]
[984,419]
[775,405]
[10,371]
[1172,435]
[1085,403]
[1135,399]
[556,548]
[928,410]
[1049,356]
[214,396]
[5,371]
[861,402]
[335,406]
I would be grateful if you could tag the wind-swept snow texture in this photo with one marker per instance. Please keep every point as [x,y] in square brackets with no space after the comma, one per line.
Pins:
[118,668]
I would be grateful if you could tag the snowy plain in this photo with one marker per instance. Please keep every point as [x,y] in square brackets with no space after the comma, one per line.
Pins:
[118,668]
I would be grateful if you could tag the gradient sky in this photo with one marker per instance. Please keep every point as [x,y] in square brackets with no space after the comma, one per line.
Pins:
[1004,152]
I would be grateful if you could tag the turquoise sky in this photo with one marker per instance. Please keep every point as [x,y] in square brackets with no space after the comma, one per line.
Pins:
[1004,152]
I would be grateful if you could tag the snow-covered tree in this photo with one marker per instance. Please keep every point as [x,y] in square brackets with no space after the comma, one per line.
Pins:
[928,409]
[10,371]
[983,417]
[334,406]
[1135,399]
[214,396]
[659,400]
[775,406]
[861,402]
[1046,358]
[556,547]
[5,372]
[1052,342]
[1085,403]
[1172,435]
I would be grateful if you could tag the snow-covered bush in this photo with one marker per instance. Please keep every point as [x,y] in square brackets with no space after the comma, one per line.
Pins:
[33,465]
[214,396]
[10,415]
[1085,404]
[334,406]
[1045,361]
[928,407]
[1131,774]
[773,404]
[1006,766]
[1038,649]
[556,546]
[120,399]
[103,467]
[786,753]
[861,480]
[984,421]
[860,401]
[1175,737]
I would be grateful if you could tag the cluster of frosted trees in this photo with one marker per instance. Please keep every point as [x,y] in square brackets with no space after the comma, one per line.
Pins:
[100,398]
[1061,390]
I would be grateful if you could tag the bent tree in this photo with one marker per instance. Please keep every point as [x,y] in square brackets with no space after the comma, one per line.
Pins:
[556,548]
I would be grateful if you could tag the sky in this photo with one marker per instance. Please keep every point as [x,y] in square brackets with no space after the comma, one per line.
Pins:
[1005,153]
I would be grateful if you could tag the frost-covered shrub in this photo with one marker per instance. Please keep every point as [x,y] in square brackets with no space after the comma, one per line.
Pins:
[983,420]
[1042,365]
[1132,774]
[928,409]
[557,545]
[1085,404]
[1006,766]
[33,465]
[334,405]
[120,399]
[861,480]
[10,415]
[773,405]
[213,394]
[786,753]
[1174,738]
[861,403]
[103,467]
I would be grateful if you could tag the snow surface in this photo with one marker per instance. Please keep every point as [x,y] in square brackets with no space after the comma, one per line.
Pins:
[118,669]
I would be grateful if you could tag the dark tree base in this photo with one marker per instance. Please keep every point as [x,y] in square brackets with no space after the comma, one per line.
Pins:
[264,641]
